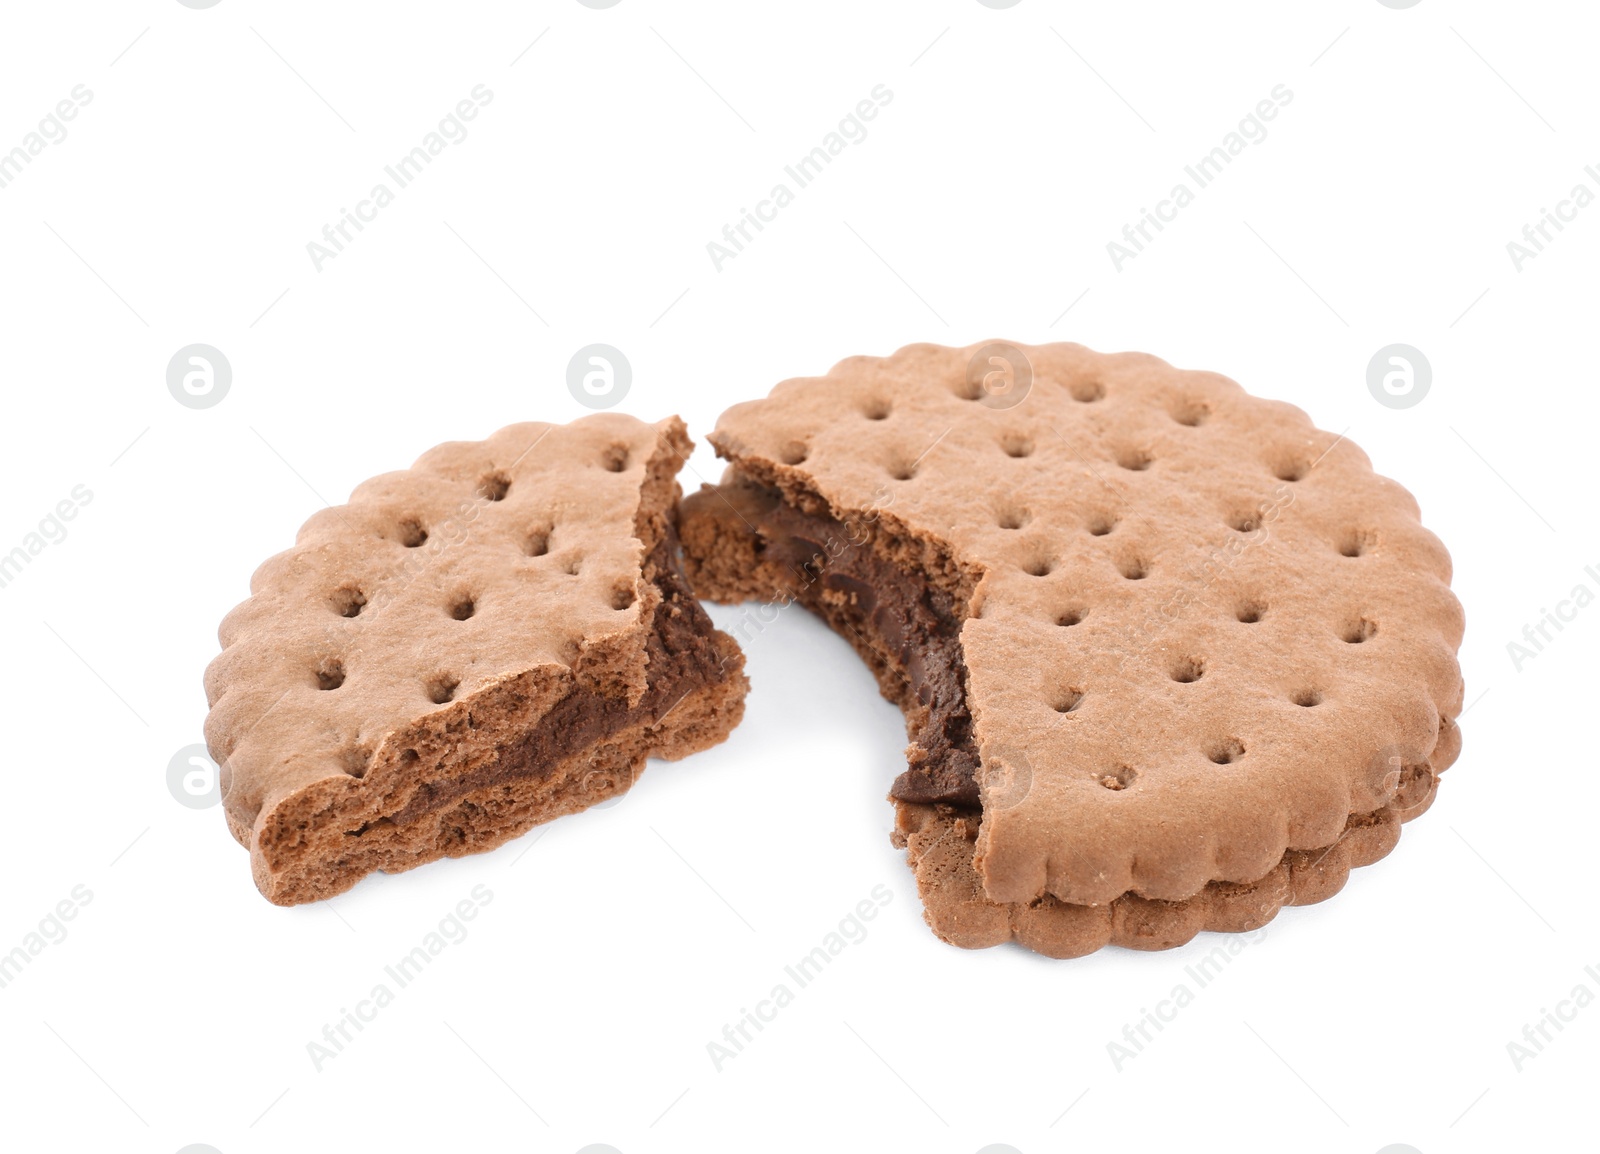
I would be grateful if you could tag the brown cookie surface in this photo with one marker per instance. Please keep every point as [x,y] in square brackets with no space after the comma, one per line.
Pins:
[1154,637]
[496,636]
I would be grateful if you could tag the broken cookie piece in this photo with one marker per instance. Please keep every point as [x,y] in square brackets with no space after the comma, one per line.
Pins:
[497,636]
[1170,657]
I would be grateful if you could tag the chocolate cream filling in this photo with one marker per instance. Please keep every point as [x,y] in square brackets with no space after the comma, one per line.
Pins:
[907,629]
[684,656]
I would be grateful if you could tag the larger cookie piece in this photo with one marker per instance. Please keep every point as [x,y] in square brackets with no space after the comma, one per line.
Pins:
[1170,656]
[499,635]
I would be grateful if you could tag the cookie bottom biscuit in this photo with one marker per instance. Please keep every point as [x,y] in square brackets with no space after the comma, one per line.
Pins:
[939,841]
[744,540]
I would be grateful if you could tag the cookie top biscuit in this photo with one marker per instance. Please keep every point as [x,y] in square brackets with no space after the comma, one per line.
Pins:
[482,562]
[1198,630]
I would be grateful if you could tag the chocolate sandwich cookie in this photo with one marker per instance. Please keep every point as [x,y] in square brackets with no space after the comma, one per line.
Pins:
[1170,657]
[499,635]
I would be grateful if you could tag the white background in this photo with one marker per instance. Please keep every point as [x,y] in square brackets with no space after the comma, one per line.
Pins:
[619,942]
